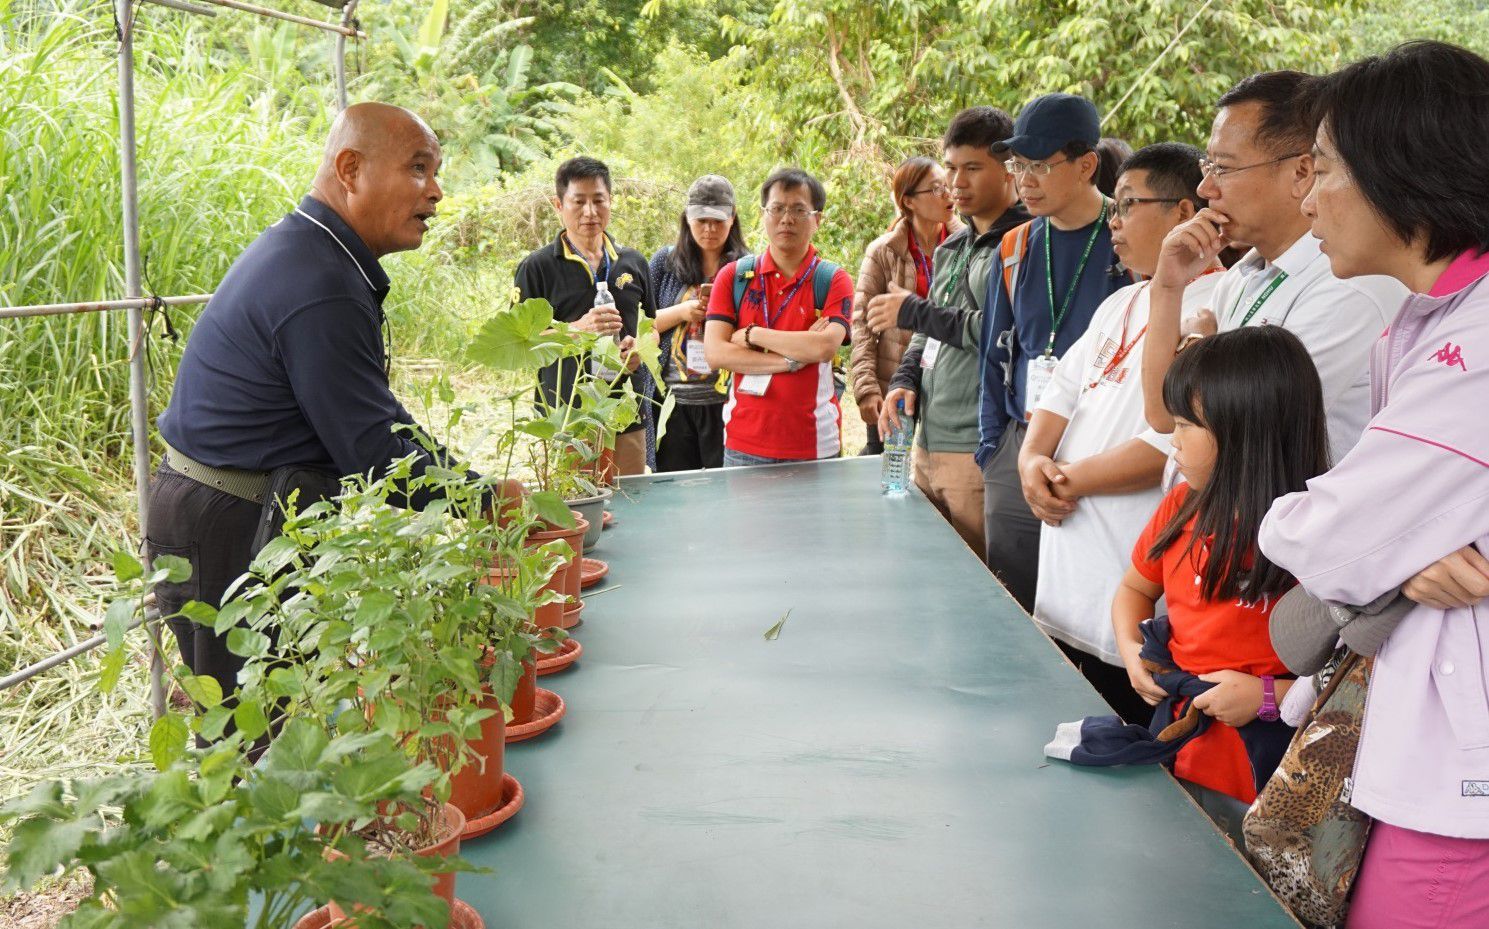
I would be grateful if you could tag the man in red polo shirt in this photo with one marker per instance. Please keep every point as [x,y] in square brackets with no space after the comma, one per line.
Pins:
[779,342]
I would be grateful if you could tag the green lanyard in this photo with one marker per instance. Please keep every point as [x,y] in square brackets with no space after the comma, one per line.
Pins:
[1049,271]
[1271,288]
[954,277]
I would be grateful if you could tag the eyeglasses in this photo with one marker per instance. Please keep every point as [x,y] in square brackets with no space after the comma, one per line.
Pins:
[937,189]
[1210,169]
[1036,168]
[1125,205]
[777,211]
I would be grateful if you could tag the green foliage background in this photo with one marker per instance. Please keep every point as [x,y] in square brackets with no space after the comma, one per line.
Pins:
[232,110]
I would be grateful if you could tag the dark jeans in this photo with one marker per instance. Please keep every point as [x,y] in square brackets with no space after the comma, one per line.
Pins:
[1012,529]
[873,444]
[1111,682]
[694,438]
[214,532]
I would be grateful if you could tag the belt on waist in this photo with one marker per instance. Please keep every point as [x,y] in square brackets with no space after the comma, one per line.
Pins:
[246,485]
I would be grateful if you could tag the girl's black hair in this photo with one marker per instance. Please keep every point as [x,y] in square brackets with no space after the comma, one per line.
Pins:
[686,260]
[1256,390]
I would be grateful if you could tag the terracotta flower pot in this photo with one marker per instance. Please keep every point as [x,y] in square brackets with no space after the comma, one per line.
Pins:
[572,568]
[524,698]
[476,789]
[452,824]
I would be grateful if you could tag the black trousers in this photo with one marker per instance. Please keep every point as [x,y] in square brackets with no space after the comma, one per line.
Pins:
[694,438]
[1012,529]
[214,532]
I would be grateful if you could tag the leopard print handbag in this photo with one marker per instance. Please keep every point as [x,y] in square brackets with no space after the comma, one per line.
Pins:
[1301,833]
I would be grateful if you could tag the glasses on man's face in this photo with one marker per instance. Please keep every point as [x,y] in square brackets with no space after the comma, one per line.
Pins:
[1036,168]
[938,189]
[780,211]
[1124,206]
[1217,171]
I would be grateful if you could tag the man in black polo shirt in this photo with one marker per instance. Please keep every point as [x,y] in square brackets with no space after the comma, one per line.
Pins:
[287,365]
[567,274]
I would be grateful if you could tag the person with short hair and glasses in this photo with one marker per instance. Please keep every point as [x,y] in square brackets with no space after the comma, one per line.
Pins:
[775,322]
[1258,168]
[1057,269]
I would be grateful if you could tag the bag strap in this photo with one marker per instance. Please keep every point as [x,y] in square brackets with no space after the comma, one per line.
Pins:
[822,283]
[1346,665]
[1011,249]
[744,268]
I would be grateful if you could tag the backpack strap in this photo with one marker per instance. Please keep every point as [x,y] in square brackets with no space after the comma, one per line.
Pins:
[1015,243]
[744,269]
[822,283]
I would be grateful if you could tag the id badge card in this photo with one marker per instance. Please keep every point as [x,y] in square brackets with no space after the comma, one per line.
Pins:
[697,361]
[753,384]
[928,355]
[1041,373]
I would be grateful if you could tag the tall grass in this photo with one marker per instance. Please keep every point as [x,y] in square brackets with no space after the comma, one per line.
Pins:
[220,157]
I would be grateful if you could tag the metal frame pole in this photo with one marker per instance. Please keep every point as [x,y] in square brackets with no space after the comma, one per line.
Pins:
[347,18]
[63,309]
[138,401]
[287,17]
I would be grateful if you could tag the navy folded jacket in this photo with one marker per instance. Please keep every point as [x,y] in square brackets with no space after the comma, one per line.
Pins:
[1106,740]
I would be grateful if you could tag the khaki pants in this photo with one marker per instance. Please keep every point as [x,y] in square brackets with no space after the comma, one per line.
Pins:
[630,452]
[953,483]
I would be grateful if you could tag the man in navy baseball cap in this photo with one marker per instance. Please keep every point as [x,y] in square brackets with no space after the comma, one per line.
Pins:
[1056,270]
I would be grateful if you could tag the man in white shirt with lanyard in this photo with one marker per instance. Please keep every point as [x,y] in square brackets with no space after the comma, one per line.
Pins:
[1090,466]
[1258,169]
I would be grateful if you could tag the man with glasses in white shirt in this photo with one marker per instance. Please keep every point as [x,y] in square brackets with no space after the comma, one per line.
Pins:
[1258,168]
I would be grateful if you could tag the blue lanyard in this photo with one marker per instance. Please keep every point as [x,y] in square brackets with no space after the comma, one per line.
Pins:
[770,321]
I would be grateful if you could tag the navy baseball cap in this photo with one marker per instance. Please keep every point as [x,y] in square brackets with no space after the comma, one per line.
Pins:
[1049,123]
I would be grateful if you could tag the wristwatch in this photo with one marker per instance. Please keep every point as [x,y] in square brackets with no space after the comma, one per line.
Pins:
[1269,712]
[792,365]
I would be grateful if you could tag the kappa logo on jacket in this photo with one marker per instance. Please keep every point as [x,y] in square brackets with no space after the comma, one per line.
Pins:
[1450,355]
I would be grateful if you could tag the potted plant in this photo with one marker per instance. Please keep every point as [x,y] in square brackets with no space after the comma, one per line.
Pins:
[378,620]
[567,441]
[224,836]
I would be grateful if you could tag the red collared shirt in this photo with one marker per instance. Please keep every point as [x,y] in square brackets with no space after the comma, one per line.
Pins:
[798,416]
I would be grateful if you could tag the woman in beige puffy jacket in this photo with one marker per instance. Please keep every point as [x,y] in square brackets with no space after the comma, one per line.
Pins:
[902,255]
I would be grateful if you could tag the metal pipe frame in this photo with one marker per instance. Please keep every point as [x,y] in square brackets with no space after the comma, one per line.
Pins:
[347,31]
[74,650]
[184,7]
[138,401]
[134,303]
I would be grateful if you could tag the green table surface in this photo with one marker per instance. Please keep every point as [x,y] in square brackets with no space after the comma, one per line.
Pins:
[877,765]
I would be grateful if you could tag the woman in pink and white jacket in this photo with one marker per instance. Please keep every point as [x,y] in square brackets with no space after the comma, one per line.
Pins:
[1402,189]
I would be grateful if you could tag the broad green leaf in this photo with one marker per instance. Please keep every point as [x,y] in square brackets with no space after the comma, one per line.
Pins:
[203,689]
[519,339]
[117,619]
[168,740]
[551,507]
[200,613]
[249,717]
[109,669]
[127,567]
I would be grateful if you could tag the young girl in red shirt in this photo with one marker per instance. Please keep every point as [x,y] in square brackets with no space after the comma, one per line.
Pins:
[1249,427]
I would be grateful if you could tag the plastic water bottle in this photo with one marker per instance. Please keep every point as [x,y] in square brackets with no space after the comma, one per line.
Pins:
[603,298]
[896,457]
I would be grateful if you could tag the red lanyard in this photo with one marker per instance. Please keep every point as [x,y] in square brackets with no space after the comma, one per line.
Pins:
[770,321]
[922,263]
[1124,347]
